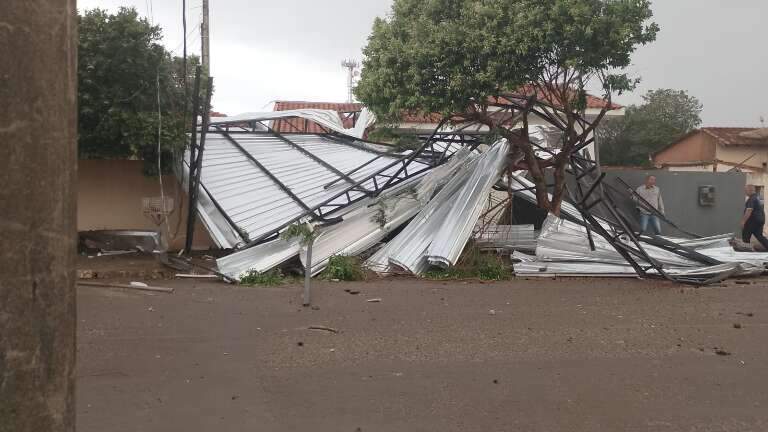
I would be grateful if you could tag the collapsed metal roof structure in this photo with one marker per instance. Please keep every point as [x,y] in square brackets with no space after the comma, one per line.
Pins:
[255,182]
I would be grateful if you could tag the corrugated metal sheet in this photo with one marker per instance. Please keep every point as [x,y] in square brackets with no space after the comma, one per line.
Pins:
[328,119]
[466,207]
[297,125]
[254,202]
[439,232]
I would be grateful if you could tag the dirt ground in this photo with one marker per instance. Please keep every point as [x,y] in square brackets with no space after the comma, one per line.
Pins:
[525,355]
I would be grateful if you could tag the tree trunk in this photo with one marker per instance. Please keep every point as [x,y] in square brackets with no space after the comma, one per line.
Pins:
[560,182]
[38,168]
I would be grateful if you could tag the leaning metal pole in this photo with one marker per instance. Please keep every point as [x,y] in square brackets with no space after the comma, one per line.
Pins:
[38,216]
[194,190]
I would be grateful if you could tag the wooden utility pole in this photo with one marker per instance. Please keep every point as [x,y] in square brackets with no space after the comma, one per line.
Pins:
[205,40]
[38,218]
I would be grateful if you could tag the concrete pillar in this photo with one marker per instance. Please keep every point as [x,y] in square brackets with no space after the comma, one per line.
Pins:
[38,164]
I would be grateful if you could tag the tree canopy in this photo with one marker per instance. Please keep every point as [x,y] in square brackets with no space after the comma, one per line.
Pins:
[121,68]
[664,116]
[459,57]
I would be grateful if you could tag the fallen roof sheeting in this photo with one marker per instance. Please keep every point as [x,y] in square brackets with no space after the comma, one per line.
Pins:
[327,118]
[241,173]
[438,234]
[563,250]
[359,230]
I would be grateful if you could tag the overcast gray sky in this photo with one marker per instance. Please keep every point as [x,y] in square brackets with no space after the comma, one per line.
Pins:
[291,50]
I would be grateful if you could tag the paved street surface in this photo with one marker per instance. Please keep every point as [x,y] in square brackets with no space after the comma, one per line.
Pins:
[538,355]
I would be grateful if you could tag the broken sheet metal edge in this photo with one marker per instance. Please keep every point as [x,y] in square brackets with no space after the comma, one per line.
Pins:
[327,118]
[259,258]
[359,231]
[449,241]
[220,230]
[411,239]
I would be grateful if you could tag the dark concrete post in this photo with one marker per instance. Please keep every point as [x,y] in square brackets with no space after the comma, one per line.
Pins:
[38,167]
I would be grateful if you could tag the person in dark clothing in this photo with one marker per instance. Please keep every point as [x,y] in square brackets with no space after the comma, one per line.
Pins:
[753,221]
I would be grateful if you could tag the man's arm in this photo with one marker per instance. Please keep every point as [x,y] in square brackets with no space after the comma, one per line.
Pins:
[661,204]
[748,211]
[747,214]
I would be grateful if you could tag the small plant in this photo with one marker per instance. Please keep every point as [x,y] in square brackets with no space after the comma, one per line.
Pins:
[480,266]
[268,278]
[380,216]
[445,274]
[491,267]
[304,232]
[344,267]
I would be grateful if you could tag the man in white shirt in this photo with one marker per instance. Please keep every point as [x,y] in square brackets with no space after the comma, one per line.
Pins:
[651,194]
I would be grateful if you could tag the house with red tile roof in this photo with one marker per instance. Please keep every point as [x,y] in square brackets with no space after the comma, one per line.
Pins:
[719,149]
[416,122]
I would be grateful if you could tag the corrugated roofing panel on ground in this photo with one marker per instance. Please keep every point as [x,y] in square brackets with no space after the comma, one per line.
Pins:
[254,201]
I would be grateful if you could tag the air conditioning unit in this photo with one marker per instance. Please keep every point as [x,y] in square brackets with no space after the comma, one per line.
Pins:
[706,196]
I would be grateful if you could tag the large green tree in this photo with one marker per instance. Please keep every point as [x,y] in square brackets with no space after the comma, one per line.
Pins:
[497,62]
[122,71]
[664,116]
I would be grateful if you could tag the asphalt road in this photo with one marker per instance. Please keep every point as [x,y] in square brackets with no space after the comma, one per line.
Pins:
[539,355]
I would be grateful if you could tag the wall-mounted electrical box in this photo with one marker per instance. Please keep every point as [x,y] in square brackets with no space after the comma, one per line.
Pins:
[706,196]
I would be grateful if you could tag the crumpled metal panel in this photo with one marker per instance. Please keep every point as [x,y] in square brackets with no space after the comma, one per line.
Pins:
[326,118]
[124,240]
[593,269]
[466,206]
[452,213]
[563,250]
[407,249]
[561,240]
[358,232]
[259,258]
[509,237]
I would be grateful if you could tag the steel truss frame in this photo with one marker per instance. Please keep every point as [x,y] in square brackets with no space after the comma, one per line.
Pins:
[591,194]
[428,156]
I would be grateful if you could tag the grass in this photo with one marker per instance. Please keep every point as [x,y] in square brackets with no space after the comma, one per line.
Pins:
[345,268]
[269,278]
[480,266]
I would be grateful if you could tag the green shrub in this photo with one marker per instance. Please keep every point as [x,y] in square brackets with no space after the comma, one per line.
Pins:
[479,266]
[491,267]
[269,278]
[343,267]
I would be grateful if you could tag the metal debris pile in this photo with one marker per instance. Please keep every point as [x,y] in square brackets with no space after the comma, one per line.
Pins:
[253,182]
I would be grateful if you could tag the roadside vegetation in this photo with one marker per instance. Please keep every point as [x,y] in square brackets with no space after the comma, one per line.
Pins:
[488,267]
[344,268]
[269,278]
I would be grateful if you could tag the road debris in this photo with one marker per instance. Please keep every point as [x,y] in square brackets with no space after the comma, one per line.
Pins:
[320,327]
[145,287]
[374,300]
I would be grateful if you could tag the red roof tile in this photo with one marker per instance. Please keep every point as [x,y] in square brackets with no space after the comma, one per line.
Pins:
[593,102]
[301,125]
[735,136]
[295,125]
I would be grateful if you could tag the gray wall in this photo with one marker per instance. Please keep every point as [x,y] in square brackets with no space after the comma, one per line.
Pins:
[680,192]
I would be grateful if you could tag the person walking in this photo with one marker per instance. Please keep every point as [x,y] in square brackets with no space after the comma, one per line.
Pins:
[753,220]
[651,194]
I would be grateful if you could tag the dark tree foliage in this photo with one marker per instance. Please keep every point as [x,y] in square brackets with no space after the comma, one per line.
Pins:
[664,116]
[460,58]
[121,66]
